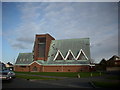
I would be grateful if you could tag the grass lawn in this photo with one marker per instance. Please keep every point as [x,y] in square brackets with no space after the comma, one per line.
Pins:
[114,77]
[34,77]
[104,84]
[64,74]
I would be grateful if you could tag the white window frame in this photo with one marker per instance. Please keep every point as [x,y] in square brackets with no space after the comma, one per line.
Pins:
[81,51]
[68,55]
[58,52]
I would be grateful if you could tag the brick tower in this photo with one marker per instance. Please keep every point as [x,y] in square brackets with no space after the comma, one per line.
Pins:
[41,46]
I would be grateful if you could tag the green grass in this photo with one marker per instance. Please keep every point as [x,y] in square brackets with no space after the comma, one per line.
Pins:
[63,74]
[34,77]
[114,77]
[104,84]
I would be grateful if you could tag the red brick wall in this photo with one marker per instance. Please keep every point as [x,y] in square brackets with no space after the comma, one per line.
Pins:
[39,67]
[66,68]
[21,68]
[52,68]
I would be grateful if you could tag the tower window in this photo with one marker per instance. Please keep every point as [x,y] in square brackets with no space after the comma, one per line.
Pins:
[41,46]
[42,39]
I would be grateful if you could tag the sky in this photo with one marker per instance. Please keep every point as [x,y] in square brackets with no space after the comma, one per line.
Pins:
[21,21]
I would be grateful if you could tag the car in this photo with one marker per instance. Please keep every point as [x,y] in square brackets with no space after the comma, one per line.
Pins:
[6,74]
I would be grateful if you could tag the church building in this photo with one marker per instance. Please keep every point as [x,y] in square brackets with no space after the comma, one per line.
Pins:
[50,55]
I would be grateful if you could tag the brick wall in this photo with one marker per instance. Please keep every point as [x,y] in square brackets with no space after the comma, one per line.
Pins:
[51,68]
[66,68]
[38,66]
[21,68]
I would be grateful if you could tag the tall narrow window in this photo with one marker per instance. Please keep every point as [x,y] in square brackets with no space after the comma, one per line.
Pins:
[59,56]
[41,46]
[81,56]
[70,57]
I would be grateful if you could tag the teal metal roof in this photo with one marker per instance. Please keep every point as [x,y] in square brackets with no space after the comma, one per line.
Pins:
[24,59]
[41,62]
[75,45]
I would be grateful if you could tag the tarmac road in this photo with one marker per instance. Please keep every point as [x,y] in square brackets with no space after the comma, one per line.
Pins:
[23,83]
[64,83]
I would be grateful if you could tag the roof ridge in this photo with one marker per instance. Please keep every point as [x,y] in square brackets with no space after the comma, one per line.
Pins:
[72,39]
[25,53]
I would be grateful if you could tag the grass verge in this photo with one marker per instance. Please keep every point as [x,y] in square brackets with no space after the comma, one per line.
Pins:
[34,77]
[114,77]
[64,74]
[105,84]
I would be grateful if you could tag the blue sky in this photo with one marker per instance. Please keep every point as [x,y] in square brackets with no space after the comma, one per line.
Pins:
[63,20]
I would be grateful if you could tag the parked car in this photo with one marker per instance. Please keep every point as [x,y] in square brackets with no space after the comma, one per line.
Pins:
[6,74]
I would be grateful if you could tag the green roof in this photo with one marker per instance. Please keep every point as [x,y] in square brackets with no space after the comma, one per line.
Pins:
[24,59]
[75,45]
[72,45]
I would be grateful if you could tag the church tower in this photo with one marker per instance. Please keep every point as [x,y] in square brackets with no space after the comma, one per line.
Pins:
[41,46]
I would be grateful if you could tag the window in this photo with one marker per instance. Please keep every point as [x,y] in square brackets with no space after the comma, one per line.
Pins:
[27,59]
[23,59]
[70,57]
[41,50]
[59,56]
[34,68]
[23,66]
[69,70]
[41,46]
[42,39]
[81,56]
[117,58]
[20,59]
[115,63]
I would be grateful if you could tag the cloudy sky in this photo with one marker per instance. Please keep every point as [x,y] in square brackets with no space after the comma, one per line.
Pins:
[63,20]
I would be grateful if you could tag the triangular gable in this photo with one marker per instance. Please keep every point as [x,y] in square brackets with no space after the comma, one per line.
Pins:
[59,56]
[81,55]
[35,62]
[70,56]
